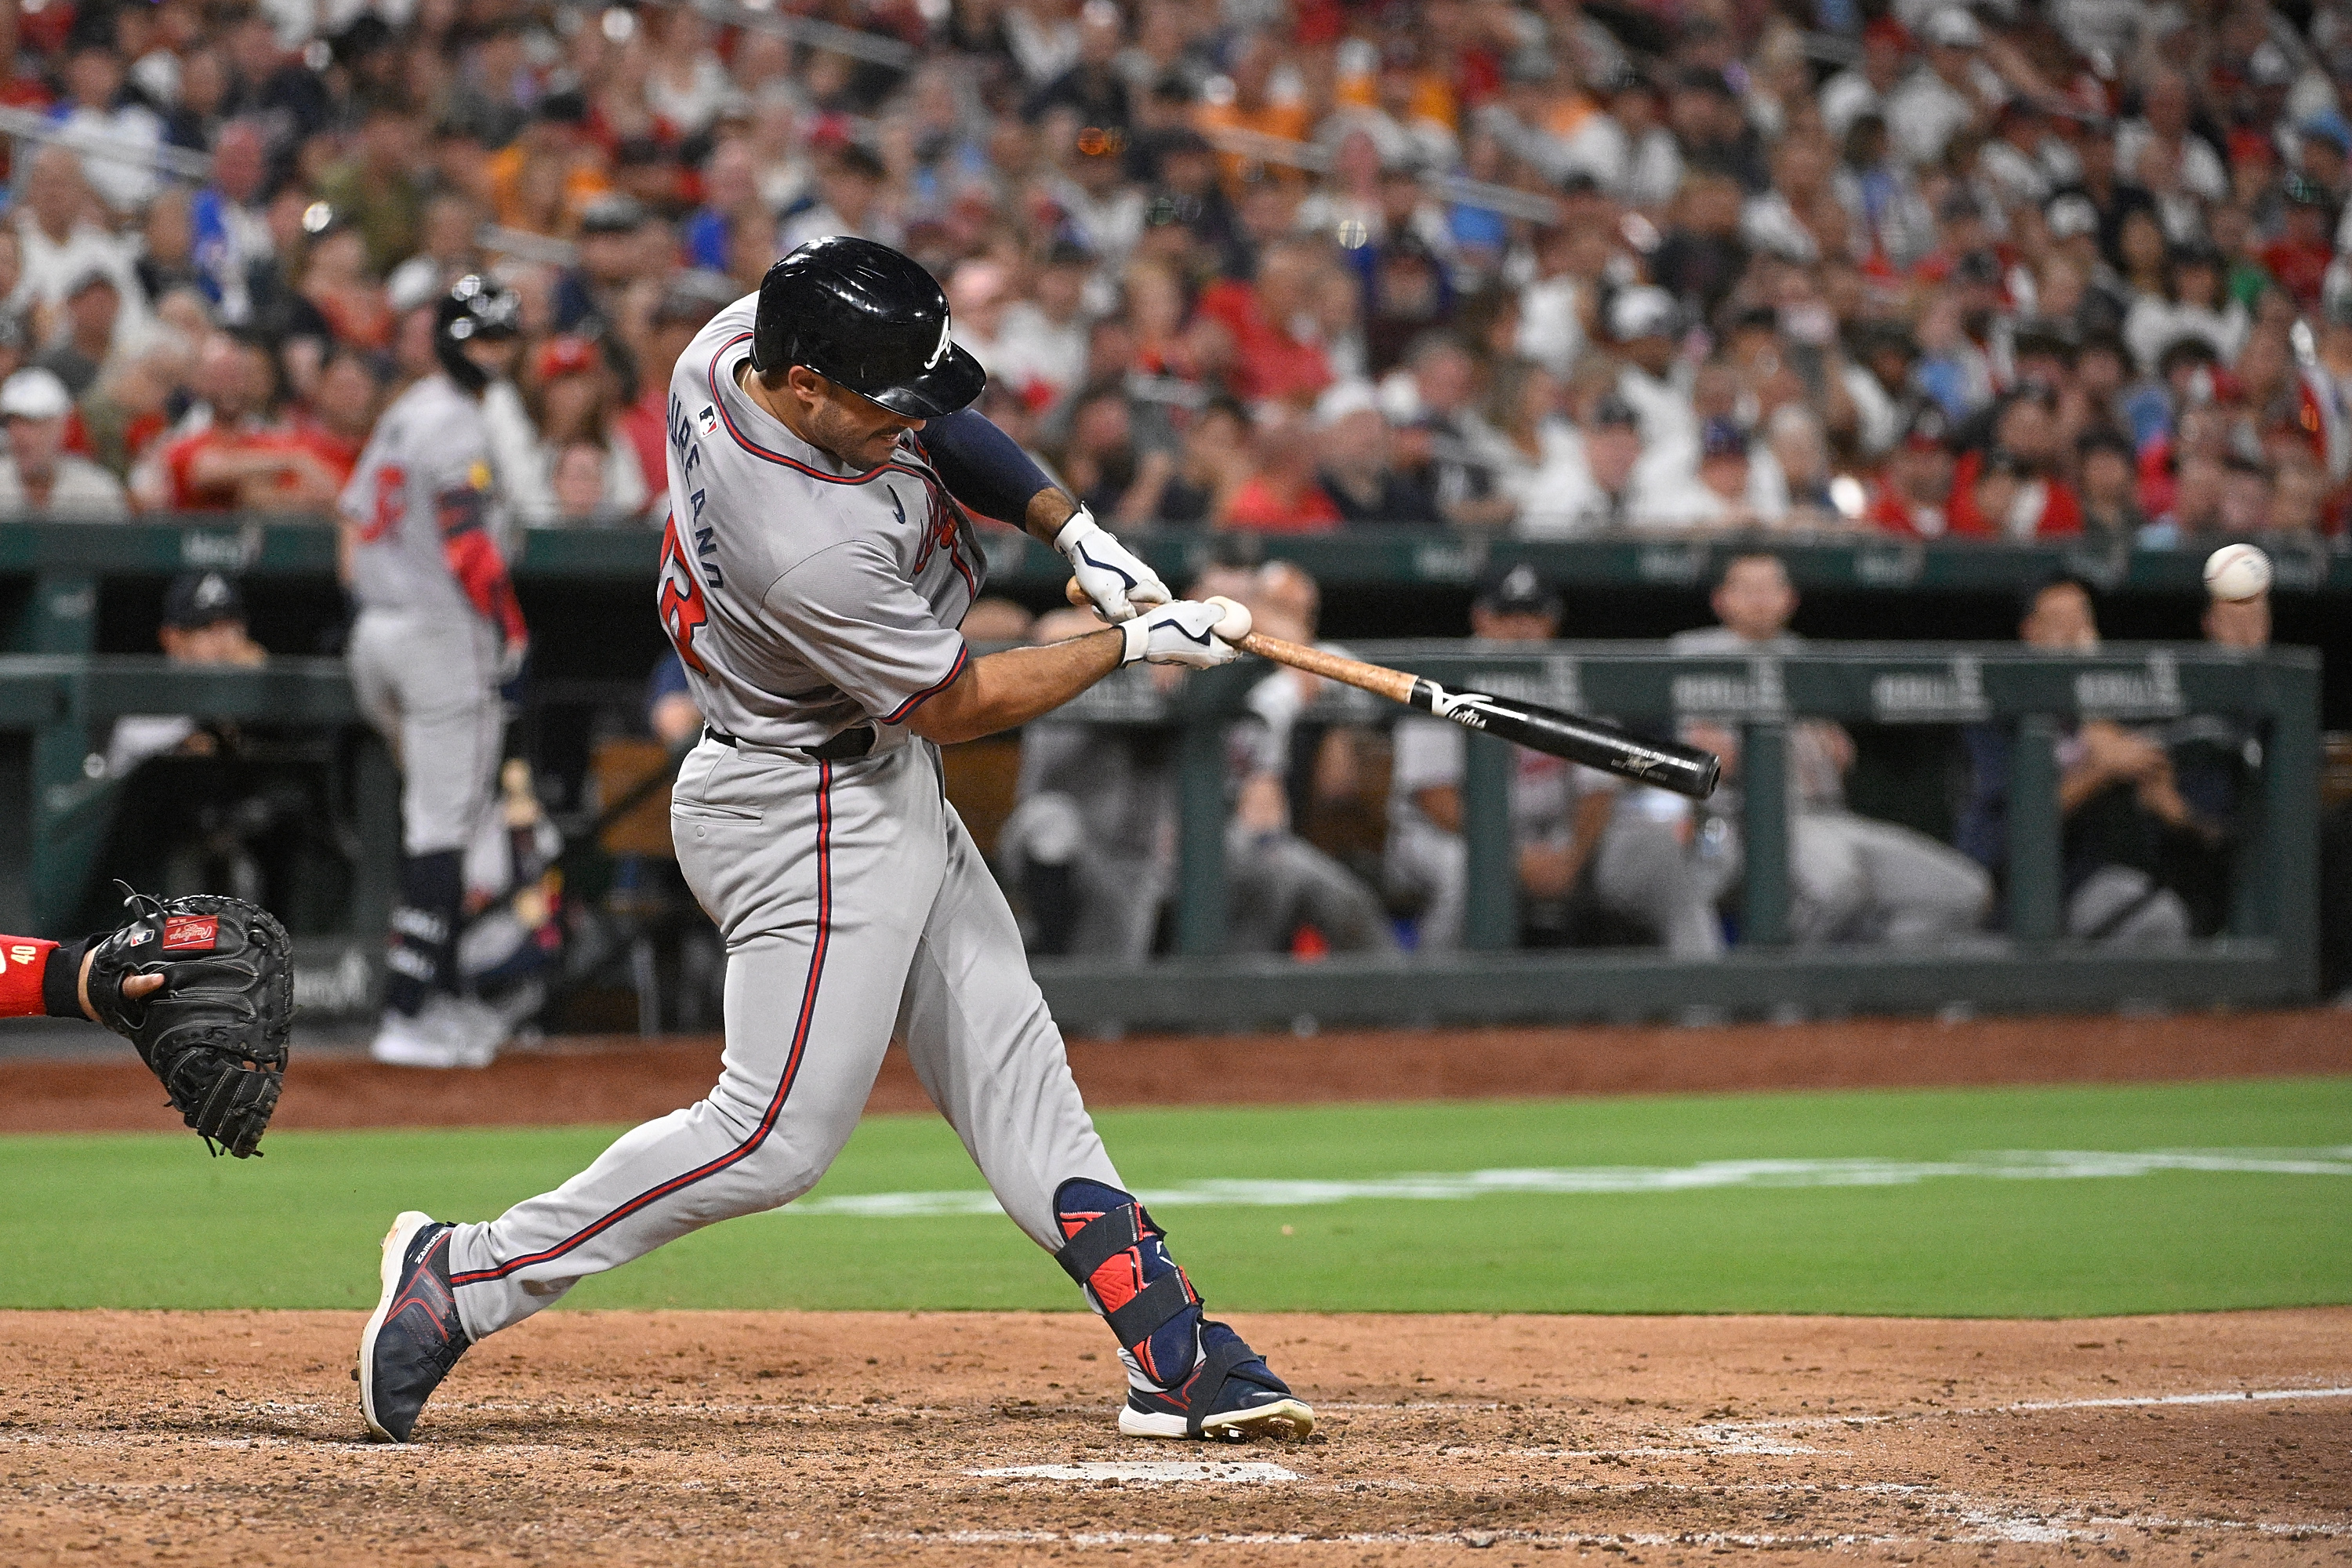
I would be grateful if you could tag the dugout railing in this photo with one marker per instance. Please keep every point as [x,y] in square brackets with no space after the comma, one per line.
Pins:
[61,706]
[2267,954]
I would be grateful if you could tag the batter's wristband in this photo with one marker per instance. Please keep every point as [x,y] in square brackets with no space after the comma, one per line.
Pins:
[1139,638]
[1080,526]
[61,979]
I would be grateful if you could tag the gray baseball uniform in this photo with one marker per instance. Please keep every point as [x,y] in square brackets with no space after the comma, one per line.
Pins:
[423,659]
[1641,867]
[816,608]
[1853,878]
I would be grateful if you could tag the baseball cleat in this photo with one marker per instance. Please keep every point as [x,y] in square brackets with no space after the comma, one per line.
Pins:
[1232,1396]
[428,1039]
[415,1336]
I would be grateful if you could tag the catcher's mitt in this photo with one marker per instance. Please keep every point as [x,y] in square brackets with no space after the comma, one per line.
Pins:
[216,1033]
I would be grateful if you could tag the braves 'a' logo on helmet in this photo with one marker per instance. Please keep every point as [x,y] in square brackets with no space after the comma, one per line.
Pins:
[939,351]
[684,610]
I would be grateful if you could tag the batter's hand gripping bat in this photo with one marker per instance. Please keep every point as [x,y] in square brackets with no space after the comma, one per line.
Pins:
[1686,770]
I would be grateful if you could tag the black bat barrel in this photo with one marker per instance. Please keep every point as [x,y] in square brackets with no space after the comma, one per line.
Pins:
[1686,770]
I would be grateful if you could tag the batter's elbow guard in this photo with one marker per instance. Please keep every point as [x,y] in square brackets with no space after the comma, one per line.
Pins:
[983,466]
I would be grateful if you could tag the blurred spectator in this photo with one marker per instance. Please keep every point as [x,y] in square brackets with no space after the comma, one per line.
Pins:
[1265,317]
[1576,834]
[1215,464]
[609,258]
[1914,488]
[687,301]
[1281,494]
[1851,877]
[231,229]
[2117,796]
[96,105]
[1356,470]
[571,393]
[38,474]
[447,252]
[235,455]
[381,188]
[92,304]
[849,200]
[61,239]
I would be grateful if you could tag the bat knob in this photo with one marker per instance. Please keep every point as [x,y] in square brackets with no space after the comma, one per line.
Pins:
[1234,625]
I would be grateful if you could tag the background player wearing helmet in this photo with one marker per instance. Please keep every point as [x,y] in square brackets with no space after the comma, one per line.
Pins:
[817,564]
[438,633]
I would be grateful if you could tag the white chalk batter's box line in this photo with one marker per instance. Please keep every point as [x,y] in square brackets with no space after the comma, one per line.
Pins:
[1586,1181]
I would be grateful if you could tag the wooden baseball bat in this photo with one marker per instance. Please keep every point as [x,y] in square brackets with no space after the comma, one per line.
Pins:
[1686,770]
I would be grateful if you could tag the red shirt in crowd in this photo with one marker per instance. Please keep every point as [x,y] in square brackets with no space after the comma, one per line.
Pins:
[1270,362]
[2062,513]
[1260,508]
[1892,511]
[644,426]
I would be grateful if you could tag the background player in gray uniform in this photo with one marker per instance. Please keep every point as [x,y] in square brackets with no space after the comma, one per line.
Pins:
[438,633]
[814,571]
[1631,849]
[1853,878]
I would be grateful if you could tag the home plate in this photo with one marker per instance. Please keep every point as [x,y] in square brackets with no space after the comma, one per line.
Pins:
[1151,1472]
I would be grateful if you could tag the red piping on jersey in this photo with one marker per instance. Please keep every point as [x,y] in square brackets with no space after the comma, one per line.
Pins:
[963,656]
[955,554]
[775,1106]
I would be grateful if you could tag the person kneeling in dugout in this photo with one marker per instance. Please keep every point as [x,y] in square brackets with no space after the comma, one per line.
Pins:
[1585,844]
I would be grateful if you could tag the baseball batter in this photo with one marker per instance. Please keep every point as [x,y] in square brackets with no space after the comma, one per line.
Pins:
[816,567]
[438,633]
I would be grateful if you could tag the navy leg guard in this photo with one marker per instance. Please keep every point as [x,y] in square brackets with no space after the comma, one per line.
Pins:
[1120,1259]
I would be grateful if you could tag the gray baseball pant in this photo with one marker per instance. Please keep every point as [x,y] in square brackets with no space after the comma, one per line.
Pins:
[854,906]
[429,686]
[1641,868]
[1857,879]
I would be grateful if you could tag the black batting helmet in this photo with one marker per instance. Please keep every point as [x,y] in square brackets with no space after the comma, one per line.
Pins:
[474,308]
[865,317]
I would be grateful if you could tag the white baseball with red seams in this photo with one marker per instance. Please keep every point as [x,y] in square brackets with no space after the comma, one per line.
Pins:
[2237,571]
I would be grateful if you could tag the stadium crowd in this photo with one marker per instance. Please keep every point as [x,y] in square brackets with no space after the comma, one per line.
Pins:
[2023,268]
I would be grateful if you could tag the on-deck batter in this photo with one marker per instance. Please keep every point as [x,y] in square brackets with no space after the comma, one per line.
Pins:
[438,633]
[814,572]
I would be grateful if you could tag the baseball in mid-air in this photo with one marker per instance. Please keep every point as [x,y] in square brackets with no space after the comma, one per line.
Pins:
[2237,571]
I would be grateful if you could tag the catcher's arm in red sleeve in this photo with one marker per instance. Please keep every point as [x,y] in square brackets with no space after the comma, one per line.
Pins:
[46,978]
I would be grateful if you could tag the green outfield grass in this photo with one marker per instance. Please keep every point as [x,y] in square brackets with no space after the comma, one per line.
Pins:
[149,1221]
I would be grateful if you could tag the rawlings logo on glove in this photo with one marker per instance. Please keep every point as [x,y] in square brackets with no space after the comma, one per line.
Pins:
[216,1034]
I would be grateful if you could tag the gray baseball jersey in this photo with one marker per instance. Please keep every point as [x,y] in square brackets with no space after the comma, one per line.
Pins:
[426,470]
[803,597]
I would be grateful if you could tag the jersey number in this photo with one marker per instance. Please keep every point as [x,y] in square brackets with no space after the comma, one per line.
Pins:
[391,501]
[684,610]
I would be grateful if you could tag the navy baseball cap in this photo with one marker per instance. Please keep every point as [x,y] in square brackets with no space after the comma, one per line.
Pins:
[1517,589]
[199,599]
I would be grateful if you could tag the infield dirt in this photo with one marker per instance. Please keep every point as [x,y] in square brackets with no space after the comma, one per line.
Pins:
[735,1438]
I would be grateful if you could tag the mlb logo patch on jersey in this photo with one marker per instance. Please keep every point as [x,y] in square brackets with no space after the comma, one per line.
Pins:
[185,932]
[708,420]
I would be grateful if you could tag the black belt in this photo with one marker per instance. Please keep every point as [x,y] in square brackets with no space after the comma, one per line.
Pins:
[841,748]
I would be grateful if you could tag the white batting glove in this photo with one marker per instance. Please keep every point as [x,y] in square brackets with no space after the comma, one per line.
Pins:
[1116,580]
[1201,634]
